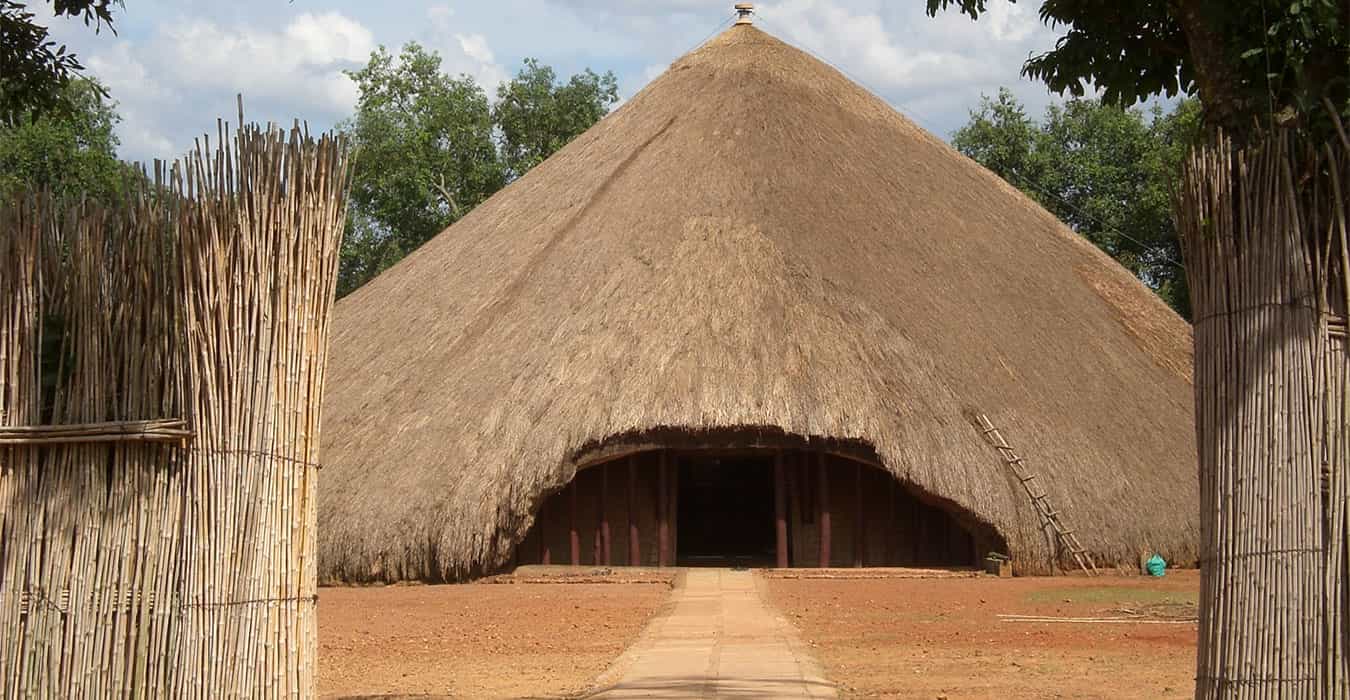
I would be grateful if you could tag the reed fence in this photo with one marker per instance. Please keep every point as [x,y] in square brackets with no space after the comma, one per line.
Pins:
[161,370]
[1264,232]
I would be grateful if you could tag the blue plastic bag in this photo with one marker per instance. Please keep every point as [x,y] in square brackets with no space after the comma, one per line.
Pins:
[1156,566]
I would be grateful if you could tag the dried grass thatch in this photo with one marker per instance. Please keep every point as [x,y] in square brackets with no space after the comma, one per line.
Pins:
[753,241]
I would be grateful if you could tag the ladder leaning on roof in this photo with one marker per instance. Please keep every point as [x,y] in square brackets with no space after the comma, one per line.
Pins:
[1039,498]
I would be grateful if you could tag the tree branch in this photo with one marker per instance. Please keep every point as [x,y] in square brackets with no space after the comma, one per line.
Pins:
[445,194]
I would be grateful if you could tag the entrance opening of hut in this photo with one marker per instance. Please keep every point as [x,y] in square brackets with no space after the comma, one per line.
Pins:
[725,515]
[750,507]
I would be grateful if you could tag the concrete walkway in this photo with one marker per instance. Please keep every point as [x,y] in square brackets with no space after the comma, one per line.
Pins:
[719,640]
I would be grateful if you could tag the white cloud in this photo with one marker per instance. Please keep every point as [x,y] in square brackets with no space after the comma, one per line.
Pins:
[650,72]
[862,43]
[304,61]
[165,83]
[475,46]
[1013,23]
[136,93]
[174,69]
[462,52]
[933,68]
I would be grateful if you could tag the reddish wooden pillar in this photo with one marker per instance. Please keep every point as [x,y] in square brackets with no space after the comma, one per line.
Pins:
[605,544]
[545,555]
[634,541]
[796,512]
[859,519]
[780,510]
[662,514]
[823,509]
[893,524]
[597,543]
[920,533]
[573,535]
[673,510]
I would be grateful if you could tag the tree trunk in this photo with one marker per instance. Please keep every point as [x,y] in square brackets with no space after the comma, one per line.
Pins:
[1218,72]
[1264,236]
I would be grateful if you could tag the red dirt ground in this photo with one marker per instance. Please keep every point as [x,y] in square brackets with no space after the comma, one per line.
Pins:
[934,638]
[477,640]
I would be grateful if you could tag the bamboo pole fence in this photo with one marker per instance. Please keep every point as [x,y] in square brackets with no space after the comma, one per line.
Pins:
[1264,232]
[161,370]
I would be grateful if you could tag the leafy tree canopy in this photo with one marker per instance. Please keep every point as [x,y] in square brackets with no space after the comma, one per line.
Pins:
[425,155]
[538,115]
[1248,60]
[72,152]
[34,71]
[1103,170]
[430,147]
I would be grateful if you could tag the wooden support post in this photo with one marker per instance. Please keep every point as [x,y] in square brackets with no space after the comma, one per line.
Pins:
[605,544]
[859,519]
[597,543]
[780,509]
[634,540]
[920,533]
[544,554]
[805,491]
[893,527]
[823,510]
[796,512]
[673,508]
[662,506]
[573,535]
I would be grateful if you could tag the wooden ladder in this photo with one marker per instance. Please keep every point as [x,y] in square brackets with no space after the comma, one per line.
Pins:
[1039,498]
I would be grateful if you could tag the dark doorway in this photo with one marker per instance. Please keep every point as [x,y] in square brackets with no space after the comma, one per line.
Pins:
[725,511]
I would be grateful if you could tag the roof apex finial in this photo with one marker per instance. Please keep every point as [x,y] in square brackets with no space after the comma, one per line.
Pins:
[743,12]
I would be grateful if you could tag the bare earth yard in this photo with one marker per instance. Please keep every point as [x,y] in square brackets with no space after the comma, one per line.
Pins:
[932,638]
[883,637]
[477,640]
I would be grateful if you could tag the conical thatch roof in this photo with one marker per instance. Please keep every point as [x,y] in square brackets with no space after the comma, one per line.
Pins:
[752,241]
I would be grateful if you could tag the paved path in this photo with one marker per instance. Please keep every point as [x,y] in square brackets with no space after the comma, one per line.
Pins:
[720,640]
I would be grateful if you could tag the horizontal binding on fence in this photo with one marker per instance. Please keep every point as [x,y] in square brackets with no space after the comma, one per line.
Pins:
[1254,680]
[1223,559]
[171,430]
[226,452]
[129,601]
[1336,326]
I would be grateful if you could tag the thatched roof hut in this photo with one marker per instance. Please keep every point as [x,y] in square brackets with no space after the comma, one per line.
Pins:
[753,253]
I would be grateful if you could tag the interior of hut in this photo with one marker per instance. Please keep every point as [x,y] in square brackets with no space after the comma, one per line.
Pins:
[749,508]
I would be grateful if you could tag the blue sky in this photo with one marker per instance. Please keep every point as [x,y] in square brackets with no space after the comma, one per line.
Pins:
[174,67]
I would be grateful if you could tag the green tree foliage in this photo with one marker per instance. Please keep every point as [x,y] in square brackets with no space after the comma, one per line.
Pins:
[430,147]
[1103,170]
[34,71]
[72,152]
[425,156]
[537,115]
[1248,60]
